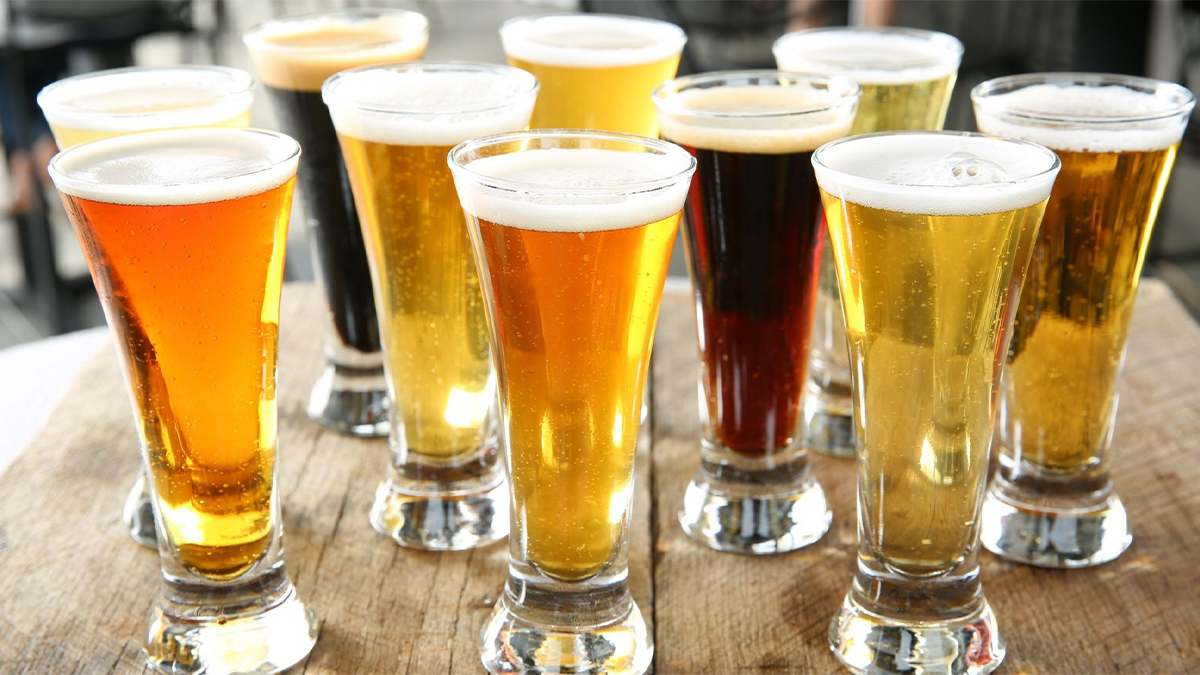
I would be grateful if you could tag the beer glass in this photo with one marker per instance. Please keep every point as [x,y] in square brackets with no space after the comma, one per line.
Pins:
[126,100]
[184,233]
[907,76]
[1052,502]
[596,71]
[396,124]
[932,234]
[753,237]
[293,57]
[572,233]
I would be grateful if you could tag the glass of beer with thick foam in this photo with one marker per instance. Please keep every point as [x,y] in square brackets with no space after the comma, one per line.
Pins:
[129,100]
[185,233]
[1052,502]
[293,57]
[753,237]
[907,76]
[932,233]
[572,233]
[445,489]
[596,71]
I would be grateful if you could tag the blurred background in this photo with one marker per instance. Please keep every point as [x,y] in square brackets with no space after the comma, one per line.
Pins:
[44,286]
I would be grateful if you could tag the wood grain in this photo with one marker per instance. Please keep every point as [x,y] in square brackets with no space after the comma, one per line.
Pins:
[75,593]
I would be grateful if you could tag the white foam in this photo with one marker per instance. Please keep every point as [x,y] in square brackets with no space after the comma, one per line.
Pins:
[1097,112]
[575,189]
[870,56]
[590,40]
[137,99]
[428,104]
[914,173]
[191,166]
[767,119]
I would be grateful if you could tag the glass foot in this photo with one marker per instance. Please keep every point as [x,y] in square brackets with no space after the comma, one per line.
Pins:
[725,520]
[511,643]
[232,637]
[138,514]
[1054,537]
[354,404]
[866,642]
[452,521]
[829,428]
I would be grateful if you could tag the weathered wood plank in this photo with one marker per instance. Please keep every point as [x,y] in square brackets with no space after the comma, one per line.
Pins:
[719,613]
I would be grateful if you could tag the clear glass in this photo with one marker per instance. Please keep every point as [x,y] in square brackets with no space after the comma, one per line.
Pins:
[753,238]
[1052,502]
[572,242]
[293,56]
[907,76]
[445,489]
[189,271]
[930,273]
[109,103]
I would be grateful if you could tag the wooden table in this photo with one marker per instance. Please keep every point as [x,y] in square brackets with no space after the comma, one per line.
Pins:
[75,592]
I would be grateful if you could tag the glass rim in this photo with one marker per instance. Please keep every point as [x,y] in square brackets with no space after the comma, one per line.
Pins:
[57,174]
[255,32]
[665,148]
[982,93]
[242,79]
[664,93]
[679,36]
[1053,167]
[329,96]
[931,36]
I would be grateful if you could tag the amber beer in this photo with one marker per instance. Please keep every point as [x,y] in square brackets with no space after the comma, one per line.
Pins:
[184,233]
[596,71]
[1117,138]
[931,234]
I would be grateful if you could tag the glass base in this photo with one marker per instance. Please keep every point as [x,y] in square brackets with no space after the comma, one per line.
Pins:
[351,401]
[138,514]
[829,428]
[441,521]
[511,643]
[1053,535]
[206,632]
[757,524]
[866,642]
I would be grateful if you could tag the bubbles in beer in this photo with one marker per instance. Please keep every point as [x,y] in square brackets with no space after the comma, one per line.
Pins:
[957,168]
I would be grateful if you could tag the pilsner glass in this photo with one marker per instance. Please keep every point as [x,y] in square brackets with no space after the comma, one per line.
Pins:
[932,234]
[293,57]
[596,71]
[1052,502]
[753,237]
[907,76]
[126,100]
[396,124]
[184,233]
[572,233]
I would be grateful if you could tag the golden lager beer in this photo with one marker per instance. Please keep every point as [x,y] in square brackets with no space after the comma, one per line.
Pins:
[1117,138]
[596,71]
[185,234]
[128,100]
[572,234]
[396,124]
[931,235]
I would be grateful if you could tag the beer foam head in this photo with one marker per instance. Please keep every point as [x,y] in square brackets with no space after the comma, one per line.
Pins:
[780,116]
[300,53]
[870,55]
[1078,117]
[428,103]
[191,166]
[125,100]
[590,40]
[575,189]
[936,173]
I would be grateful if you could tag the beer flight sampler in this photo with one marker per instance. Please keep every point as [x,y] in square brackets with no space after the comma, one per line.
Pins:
[493,243]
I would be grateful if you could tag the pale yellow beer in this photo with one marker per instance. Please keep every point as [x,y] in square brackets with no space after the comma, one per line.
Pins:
[595,71]
[128,100]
